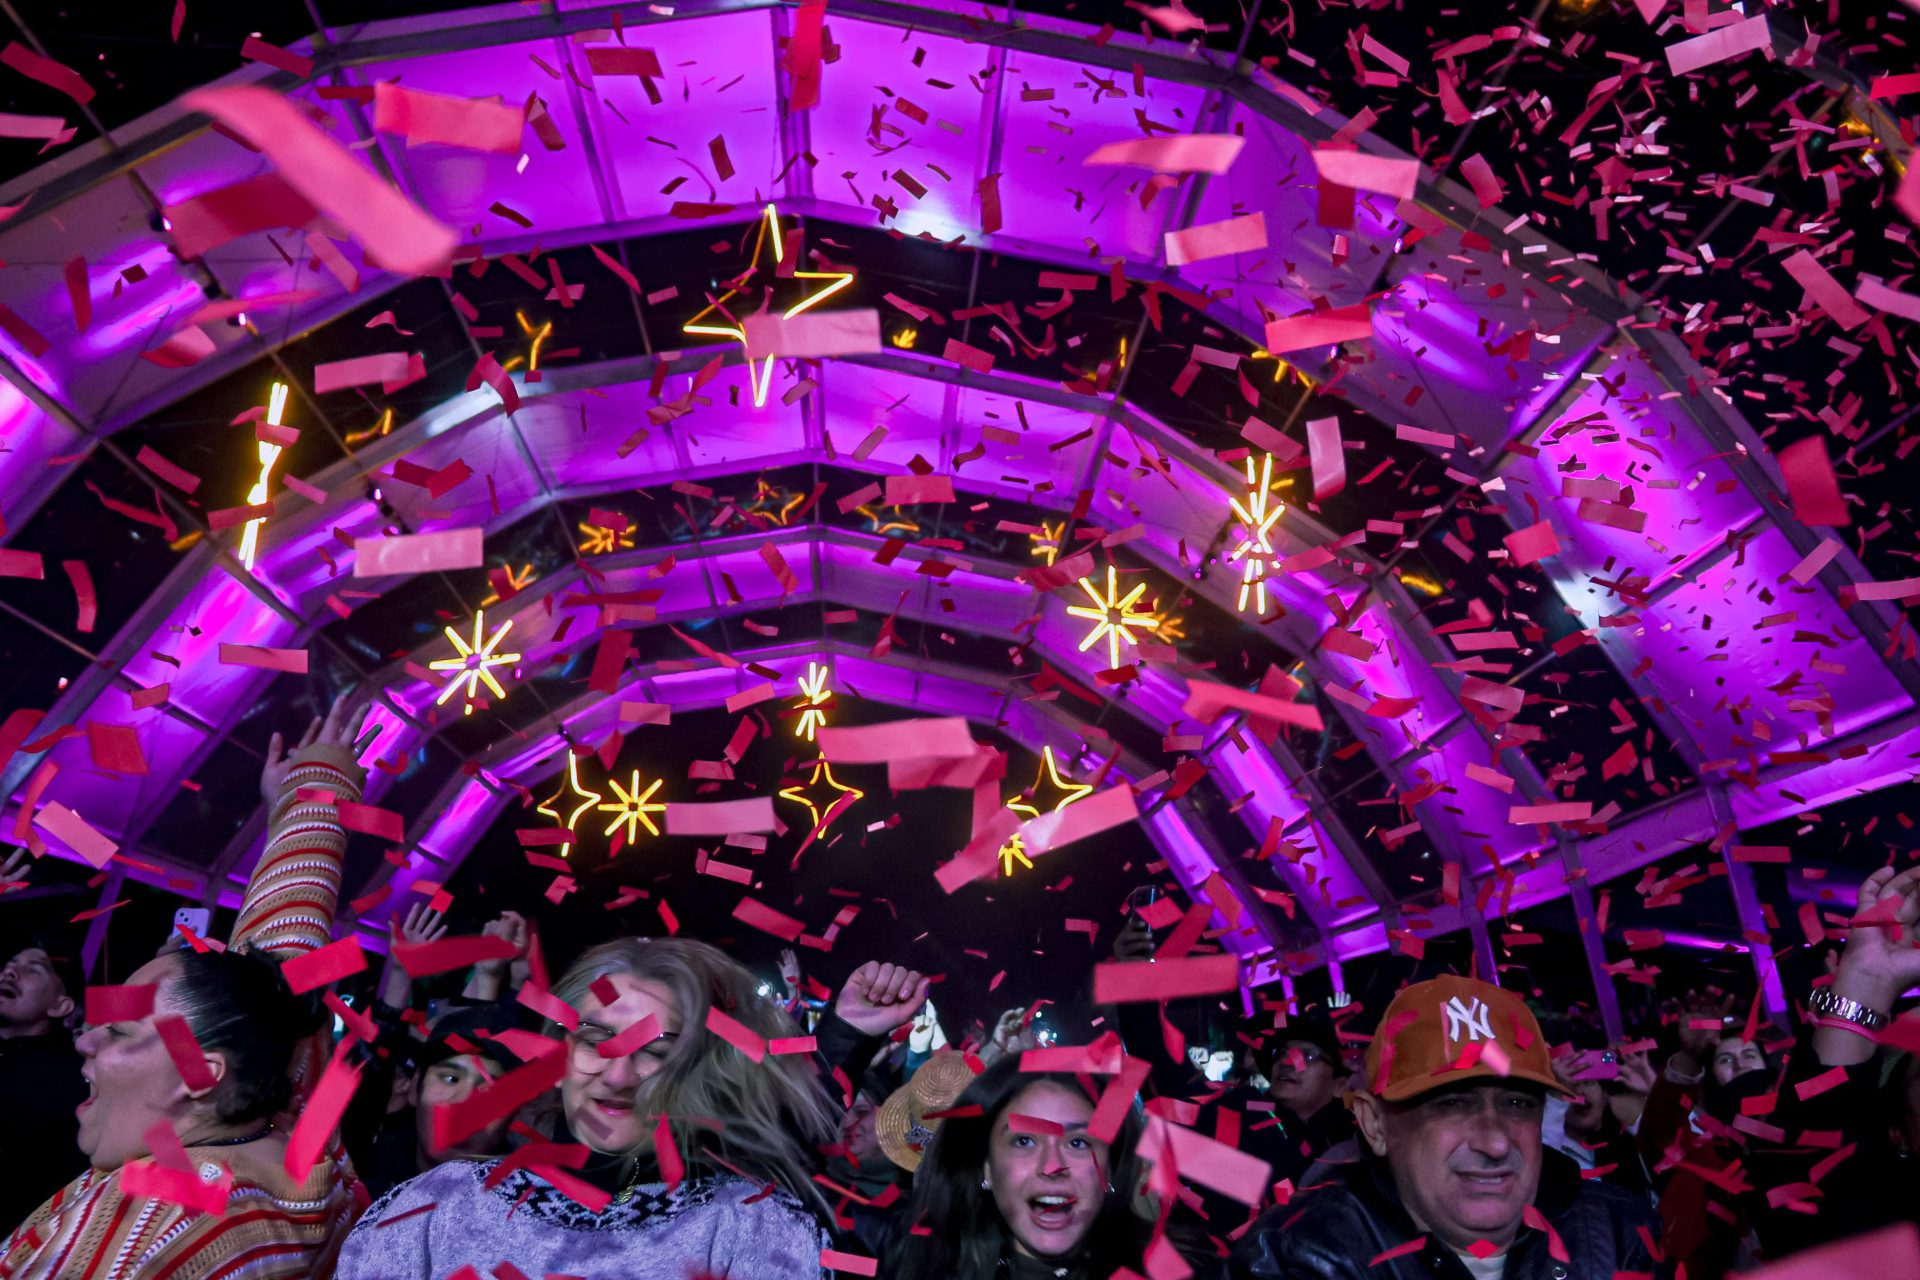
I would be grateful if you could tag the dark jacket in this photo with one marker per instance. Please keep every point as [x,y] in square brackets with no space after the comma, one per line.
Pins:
[39,1140]
[1335,1231]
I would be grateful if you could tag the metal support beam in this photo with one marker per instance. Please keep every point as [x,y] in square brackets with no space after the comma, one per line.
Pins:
[1591,943]
[1746,906]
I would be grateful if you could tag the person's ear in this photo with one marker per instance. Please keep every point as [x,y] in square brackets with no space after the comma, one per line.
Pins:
[413,1090]
[216,1062]
[62,1009]
[1370,1114]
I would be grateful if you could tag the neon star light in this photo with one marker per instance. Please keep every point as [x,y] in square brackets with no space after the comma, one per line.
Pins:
[269,454]
[769,229]
[1255,551]
[588,800]
[1112,615]
[475,664]
[802,793]
[1047,542]
[602,539]
[813,696]
[633,807]
[1015,849]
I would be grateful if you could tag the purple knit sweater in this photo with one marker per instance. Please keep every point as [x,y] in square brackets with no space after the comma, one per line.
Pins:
[706,1227]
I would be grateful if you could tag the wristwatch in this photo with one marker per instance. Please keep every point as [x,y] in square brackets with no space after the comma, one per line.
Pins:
[1826,1003]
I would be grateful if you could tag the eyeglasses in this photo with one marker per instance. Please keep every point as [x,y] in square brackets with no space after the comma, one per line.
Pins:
[1307,1057]
[583,1047]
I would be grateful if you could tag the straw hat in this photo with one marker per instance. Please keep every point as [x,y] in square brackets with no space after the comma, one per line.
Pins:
[901,1122]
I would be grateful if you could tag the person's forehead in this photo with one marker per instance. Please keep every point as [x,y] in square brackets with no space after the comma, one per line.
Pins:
[1479,1089]
[1049,1100]
[468,1062]
[34,956]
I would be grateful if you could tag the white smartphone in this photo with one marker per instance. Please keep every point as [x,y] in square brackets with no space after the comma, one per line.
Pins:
[198,919]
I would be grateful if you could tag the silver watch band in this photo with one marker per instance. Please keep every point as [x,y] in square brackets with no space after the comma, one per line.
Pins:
[1828,1003]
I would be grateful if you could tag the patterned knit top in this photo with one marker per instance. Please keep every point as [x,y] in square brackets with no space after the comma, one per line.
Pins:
[450,1222]
[273,1228]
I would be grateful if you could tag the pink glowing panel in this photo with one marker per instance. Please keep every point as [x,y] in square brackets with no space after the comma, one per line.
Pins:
[1735,649]
[1395,670]
[110,802]
[554,190]
[868,133]
[578,438]
[1253,776]
[395,742]
[1043,467]
[440,849]
[1275,177]
[1047,192]
[302,560]
[1785,792]
[251,266]
[218,610]
[1470,361]
[984,604]
[1632,434]
[29,441]
[719,75]
[108,225]
[906,413]
[490,450]
[1465,815]
[1361,940]
[725,427]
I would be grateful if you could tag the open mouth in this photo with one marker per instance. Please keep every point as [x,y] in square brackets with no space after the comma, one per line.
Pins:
[1052,1212]
[1486,1181]
[613,1108]
[92,1093]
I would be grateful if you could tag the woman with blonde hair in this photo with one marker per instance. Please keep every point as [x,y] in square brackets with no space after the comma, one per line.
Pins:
[676,1152]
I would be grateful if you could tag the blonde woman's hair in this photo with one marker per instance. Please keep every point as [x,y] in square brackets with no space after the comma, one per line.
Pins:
[762,1119]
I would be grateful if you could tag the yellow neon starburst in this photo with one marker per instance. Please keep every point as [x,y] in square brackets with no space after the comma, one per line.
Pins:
[269,454]
[1015,849]
[588,800]
[777,505]
[886,526]
[769,229]
[517,580]
[800,793]
[1047,543]
[1257,518]
[1281,368]
[1168,626]
[476,661]
[1112,615]
[633,807]
[905,338]
[813,696]
[602,539]
[537,336]
[374,432]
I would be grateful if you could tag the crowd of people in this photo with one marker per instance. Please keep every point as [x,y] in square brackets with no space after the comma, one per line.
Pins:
[656,1110]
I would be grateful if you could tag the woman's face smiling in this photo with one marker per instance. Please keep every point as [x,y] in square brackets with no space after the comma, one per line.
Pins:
[1048,1175]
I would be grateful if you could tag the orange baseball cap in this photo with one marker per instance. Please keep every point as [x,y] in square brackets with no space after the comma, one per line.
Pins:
[1452,1029]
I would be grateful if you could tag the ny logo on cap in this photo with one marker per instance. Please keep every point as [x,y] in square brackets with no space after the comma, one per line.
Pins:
[1467,1020]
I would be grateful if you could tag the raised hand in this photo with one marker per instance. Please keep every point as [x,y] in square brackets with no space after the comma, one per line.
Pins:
[879,998]
[790,969]
[1697,1041]
[1134,941]
[339,728]
[14,870]
[1881,958]
[512,926]
[423,924]
[1637,1073]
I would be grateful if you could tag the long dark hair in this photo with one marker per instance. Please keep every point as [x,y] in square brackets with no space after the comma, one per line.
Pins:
[965,1236]
[238,1002]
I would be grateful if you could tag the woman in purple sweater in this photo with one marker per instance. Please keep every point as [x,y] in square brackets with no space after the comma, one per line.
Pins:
[678,1153]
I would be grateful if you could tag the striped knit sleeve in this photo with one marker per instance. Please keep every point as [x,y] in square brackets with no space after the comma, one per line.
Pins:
[295,890]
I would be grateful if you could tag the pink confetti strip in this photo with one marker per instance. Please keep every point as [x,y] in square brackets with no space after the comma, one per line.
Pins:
[119,1004]
[1245,234]
[421,959]
[1811,484]
[728,817]
[475,124]
[1165,979]
[815,333]
[395,233]
[947,738]
[15,563]
[182,350]
[1180,153]
[751,911]
[254,655]
[75,832]
[211,219]
[387,366]
[737,1034]
[55,75]
[371,820]
[418,552]
[1389,175]
[188,1058]
[317,968]
[1319,329]
[1521,815]
[1826,292]
[254,49]
[1718,46]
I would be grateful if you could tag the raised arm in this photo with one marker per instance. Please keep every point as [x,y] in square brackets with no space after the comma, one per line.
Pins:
[295,889]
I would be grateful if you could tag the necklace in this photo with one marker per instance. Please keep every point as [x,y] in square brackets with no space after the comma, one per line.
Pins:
[241,1141]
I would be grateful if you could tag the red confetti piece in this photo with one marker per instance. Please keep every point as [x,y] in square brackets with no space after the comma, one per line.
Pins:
[323,965]
[320,1116]
[370,820]
[737,1034]
[119,1004]
[1165,979]
[185,1052]
[54,75]
[267,659]
[751,911]
[475,124]
[420,959]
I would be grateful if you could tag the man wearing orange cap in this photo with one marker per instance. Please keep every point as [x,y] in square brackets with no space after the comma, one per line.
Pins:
[1454,1181]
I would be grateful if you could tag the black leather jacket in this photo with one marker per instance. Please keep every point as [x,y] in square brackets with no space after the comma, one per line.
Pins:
[1336,1230]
